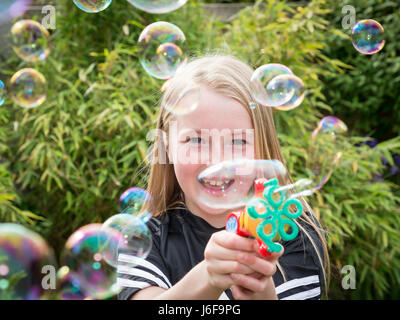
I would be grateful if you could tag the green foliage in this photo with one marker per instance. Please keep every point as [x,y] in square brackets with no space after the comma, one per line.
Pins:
[371,103]
[73,156]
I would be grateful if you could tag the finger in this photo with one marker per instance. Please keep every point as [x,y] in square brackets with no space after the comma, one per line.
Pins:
[258,264]
[227,267]
[221,253]
[240,293]
[249,283]
[233,241]
[275,255]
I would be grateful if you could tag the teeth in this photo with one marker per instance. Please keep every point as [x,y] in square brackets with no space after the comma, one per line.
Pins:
[216,183]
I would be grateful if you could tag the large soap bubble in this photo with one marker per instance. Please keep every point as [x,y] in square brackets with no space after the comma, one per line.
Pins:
[23,254]
[161,49]
[231,184]
[86,253]
[368,36]
[30,40]
[28,88]
[325,151]
[157,6]
[135,237]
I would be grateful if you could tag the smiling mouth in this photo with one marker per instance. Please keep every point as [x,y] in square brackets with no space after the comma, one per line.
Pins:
[216,184]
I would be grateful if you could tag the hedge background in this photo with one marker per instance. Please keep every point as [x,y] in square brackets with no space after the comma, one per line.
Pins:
[66,162]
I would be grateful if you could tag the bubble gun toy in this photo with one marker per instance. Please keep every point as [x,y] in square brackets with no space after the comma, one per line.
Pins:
[266,218]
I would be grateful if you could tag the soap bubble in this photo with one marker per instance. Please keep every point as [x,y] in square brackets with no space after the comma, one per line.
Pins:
[157,6]
[231,184]
[325,151]
[69,286]
[290,83]
[92,6]
[185,101]
[30,40]
[3,93]
[23,254]
[10,9]
[260,79]
[86,253]
[138,202]
[135,237]
[28,88]
[161,49]
[368,36]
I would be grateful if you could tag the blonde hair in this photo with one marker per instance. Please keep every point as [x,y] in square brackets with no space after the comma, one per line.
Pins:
[229,76]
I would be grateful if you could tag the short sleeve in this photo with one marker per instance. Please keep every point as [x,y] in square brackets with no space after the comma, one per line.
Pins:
[302,268]
[136,273]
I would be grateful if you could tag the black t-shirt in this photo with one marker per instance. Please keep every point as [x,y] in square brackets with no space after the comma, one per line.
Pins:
[179,240]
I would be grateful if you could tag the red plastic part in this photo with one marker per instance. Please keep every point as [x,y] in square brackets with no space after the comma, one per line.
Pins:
[259,185]
[263,250]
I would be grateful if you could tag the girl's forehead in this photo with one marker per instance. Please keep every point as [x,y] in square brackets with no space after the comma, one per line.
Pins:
[215,111]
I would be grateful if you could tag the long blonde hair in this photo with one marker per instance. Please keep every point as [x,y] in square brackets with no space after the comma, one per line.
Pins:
[231,77]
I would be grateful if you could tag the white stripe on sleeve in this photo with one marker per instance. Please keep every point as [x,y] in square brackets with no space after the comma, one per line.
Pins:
[141,273]
[132,284]
[143,263]
[296,283]
[223,296]
[304,295]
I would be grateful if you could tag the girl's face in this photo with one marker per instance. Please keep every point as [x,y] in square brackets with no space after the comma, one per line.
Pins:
[218,129]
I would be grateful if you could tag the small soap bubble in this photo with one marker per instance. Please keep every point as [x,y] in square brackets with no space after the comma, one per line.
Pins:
[92,6]
[157,6]
[368,36]
[260,80]
[291,84]
[86,254]
[28,88]
[23,254]
[325,150]
[138,202]
[30,40]
[3,93]
[161,49]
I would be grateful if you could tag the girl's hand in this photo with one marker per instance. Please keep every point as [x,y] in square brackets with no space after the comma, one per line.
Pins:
[221,257]
[258,285]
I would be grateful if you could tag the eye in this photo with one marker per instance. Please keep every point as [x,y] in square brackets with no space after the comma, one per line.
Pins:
[194,140]
[239,142]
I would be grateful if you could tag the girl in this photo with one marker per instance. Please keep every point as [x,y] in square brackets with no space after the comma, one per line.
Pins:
[192,256]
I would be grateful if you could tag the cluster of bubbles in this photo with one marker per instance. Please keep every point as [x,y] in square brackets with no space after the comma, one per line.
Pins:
[274,85]
[90,261]
[28,87]
[368,36]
